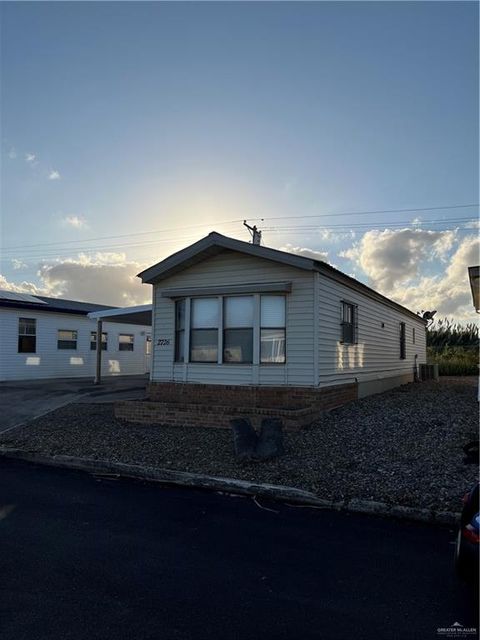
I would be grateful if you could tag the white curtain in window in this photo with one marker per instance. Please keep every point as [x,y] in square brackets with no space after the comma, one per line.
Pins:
[273,311]
[204,313]
[238,312]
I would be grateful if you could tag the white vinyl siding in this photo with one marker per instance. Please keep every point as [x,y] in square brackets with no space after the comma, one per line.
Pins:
[226,269]
[376,352]
[50,362]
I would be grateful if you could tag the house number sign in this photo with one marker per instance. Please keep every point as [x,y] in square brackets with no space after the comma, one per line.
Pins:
[163,342]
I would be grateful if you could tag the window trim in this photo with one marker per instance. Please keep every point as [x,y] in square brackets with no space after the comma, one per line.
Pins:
[178,331]
[73,331]
[27,335]
[271,328]
[256,330]
[353,324]
[132,342]
[218,300]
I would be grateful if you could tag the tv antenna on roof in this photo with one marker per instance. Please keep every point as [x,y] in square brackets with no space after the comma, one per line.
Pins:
[254,232]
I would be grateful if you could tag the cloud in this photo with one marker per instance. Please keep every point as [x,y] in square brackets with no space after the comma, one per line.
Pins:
[473,224]
[18,264]
[20,287]
[313,254]
[12,154]
[329,235]
[54,175]
[30,158]
[392,257]
[77,222]
[105,278]
[394,261]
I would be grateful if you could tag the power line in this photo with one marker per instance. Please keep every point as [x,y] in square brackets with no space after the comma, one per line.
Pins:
[370,225]
[124,235]
[367,213]
[40,254]
[230,222]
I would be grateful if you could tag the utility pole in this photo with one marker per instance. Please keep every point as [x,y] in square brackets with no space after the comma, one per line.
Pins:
[254,232]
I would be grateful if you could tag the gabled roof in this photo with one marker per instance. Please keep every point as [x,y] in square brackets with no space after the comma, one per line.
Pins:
[215,243]
[43,303]
[212,245]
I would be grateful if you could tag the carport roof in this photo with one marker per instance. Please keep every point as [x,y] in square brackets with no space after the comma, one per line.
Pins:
[141,314]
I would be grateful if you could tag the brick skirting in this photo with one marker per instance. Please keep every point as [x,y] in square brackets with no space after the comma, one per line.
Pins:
[198,405]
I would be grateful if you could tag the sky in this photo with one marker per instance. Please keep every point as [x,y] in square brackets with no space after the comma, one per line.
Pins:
[131,129]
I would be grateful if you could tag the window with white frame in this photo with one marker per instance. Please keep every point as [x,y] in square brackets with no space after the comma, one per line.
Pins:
[204,320]
[66,339]
[93,341]
[230,323]
[180,331]
[272,329]
[27,335]
[349,323]
[238,329]
[125,341]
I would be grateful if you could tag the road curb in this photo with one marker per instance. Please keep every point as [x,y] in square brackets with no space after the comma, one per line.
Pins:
[230,485]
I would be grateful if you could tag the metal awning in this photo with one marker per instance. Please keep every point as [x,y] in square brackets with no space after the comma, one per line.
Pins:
[132,315]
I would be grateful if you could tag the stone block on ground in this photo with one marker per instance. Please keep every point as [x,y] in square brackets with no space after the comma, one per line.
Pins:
[244,438]
[270,441]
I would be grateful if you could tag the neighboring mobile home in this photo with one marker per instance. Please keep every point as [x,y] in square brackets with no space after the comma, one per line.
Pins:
[44,337]
[274,328]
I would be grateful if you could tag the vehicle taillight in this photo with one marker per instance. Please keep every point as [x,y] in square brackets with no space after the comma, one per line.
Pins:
[470,534]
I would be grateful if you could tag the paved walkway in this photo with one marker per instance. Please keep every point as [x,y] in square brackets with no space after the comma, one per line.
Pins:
[26,399]
[105,559]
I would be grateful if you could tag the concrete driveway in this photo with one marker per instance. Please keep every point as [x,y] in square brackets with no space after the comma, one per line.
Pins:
[24,400]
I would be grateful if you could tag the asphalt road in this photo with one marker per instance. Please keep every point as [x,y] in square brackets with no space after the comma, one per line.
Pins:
[89,559]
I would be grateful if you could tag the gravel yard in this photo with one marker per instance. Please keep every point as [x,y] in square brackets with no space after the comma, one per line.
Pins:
[401,447]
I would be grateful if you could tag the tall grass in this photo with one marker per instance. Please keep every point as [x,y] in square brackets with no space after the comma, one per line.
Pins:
[454,347]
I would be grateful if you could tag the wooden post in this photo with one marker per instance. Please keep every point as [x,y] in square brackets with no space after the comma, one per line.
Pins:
[98,375]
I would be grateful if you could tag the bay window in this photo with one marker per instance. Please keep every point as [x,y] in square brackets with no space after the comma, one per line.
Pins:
[231,329]
[204,330]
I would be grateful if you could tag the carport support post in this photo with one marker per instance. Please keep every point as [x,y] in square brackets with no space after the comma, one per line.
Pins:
[98,374]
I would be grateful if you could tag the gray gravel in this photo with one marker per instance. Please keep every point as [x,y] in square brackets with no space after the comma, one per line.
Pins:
[402,447]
